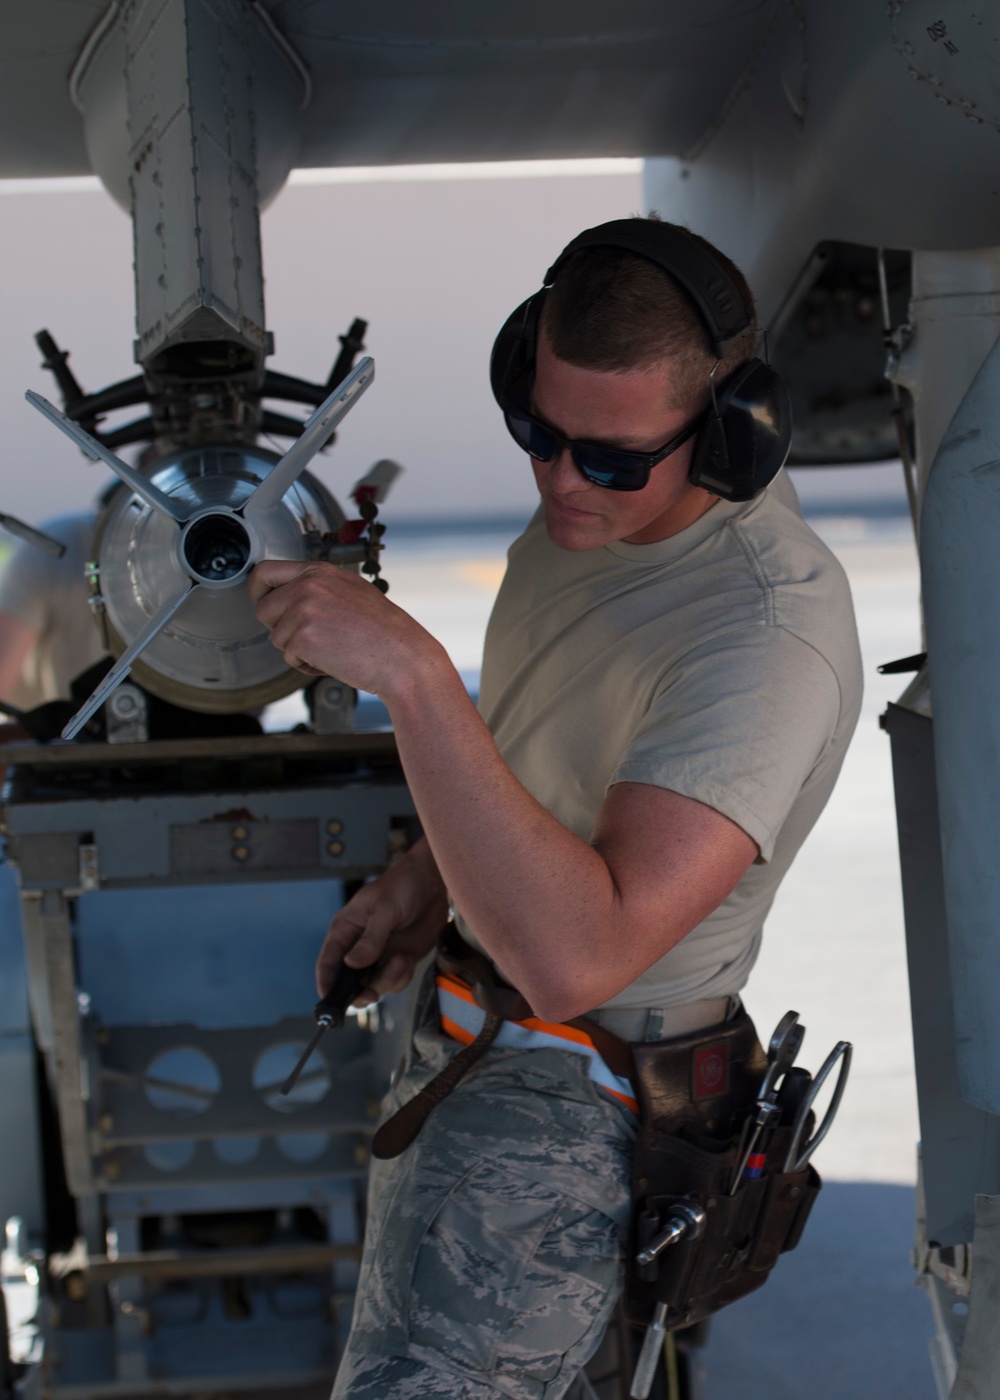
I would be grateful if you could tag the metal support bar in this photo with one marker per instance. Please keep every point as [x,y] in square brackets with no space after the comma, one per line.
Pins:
[220,1263]
[49,938]
[960,518]
[979,1364]
[131,1319]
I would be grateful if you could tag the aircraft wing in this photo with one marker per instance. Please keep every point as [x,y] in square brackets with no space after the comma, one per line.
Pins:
[394,83]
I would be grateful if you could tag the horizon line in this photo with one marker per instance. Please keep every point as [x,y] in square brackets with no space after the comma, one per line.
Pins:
[377,174]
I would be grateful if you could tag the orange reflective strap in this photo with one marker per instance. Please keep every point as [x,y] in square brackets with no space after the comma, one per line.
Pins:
[462,1019]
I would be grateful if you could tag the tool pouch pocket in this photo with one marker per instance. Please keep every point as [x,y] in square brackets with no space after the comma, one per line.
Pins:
[687,1151]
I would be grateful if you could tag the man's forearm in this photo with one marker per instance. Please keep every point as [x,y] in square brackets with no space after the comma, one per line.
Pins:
[420,860]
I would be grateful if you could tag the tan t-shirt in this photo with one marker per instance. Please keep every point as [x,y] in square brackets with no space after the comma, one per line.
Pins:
[721,663]
[50,596]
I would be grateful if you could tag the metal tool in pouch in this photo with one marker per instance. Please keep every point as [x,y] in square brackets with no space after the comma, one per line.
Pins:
[718,1191]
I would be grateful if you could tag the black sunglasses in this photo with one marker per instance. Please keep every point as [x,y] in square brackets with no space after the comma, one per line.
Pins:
[614,468]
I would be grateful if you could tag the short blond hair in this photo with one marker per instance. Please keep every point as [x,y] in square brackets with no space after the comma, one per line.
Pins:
[610,309]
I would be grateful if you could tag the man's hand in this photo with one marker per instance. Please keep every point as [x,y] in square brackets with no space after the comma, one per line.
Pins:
[328,621]
[389,925]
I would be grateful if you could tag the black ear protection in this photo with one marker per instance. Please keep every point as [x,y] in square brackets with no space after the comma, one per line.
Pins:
[748,431]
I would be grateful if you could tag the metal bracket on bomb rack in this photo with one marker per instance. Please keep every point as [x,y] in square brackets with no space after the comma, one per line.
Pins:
[360,541]
[764,1201]
[232,382]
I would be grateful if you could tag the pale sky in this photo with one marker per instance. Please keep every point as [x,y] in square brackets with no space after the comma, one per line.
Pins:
[434,264]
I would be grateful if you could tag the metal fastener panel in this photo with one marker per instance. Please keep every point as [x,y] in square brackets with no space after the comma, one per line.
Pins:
[213,848]
[47,858]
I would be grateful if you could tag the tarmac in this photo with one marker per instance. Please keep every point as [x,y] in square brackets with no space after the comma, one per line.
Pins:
[841,1316]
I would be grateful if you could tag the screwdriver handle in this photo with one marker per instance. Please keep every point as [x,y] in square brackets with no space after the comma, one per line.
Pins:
[794,1087]
[348,983]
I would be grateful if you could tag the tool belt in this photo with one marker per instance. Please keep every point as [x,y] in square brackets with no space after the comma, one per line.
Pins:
[695,1093]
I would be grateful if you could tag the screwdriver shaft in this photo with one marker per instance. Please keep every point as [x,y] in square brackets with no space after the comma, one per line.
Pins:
[649,1356]
[304,1058]
[329,1011]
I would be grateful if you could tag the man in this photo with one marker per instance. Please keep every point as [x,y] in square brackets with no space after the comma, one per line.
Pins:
[669,686]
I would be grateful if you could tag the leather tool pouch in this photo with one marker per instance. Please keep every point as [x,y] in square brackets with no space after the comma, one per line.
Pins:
[695,1092]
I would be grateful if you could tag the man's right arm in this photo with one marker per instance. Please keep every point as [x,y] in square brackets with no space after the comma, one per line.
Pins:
[389,925]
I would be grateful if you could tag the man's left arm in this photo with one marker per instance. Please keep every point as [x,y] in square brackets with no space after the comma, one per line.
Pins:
[570,923]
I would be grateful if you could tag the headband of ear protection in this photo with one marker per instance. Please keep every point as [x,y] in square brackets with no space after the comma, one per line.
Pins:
[747,434]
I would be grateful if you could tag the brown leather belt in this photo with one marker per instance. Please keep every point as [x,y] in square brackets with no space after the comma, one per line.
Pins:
[501,1002]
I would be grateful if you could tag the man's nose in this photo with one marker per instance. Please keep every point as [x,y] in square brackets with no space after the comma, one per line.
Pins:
[564,474]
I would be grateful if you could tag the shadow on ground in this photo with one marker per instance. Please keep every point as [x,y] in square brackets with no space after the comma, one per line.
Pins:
[839,1317]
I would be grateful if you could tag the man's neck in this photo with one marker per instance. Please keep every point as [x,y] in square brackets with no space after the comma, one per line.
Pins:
[691,507]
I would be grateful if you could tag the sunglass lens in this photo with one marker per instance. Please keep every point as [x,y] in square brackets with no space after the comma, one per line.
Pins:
[531,436]
[617,471]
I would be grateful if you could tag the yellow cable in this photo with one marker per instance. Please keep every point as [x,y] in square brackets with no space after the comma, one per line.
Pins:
[671,1368]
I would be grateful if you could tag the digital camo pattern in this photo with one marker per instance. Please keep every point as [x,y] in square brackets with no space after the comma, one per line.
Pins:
[493,1257]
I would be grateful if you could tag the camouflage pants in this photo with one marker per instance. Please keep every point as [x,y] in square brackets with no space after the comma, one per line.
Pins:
[493,1256]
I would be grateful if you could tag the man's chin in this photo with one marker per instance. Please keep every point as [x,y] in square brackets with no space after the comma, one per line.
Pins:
[574,535]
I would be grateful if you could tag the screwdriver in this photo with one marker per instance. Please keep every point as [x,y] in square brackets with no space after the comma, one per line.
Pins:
[329,1012]
[793,1090]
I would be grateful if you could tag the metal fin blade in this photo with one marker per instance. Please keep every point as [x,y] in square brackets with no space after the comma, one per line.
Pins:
[96,451]
[314,435]
[30,535]
[123,665]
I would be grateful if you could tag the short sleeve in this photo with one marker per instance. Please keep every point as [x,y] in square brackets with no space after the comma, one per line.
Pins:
[739,724]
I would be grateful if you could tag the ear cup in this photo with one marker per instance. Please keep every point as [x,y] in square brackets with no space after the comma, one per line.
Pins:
[513,355]
[745,441]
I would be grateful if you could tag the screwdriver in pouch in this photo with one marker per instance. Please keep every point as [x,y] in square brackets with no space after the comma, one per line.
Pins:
[329,1012]
[793,1090]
